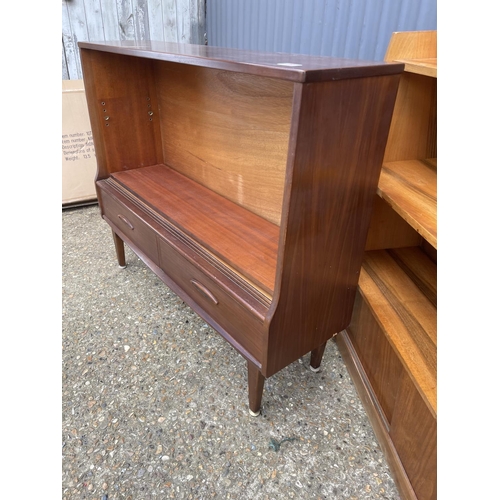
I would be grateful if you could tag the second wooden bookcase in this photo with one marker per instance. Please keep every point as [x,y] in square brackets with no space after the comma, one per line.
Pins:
[390,346]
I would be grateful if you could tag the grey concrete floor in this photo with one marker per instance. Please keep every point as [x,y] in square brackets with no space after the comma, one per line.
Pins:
[155,401]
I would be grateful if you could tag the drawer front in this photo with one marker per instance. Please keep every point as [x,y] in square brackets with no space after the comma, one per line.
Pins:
[130,224]
[210,296]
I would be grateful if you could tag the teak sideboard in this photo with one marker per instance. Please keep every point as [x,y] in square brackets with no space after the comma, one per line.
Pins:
[245,181]
[390,346]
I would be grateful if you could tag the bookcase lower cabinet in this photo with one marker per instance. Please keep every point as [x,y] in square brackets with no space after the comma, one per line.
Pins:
[245,181]
[390,346]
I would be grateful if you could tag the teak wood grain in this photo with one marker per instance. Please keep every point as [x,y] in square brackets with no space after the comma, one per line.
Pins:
[177,260]
[380,363]
[390,346]
[427,66]
[415,436]
[209,295]
[419,268]
[405,314]
[291,67]
[122,93]
[413,133]
[238,237]
[410,187]
[364,387]
[331,178]
[248,182]
[388,229]
[411,45]
[232,137]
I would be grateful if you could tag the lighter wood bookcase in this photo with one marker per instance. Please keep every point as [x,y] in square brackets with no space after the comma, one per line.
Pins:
[390,346]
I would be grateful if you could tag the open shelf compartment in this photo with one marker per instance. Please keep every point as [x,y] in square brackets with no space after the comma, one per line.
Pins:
[241,239]
[410,188]
[399,286]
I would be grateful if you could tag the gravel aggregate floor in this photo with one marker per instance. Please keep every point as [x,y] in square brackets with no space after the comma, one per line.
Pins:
[154,401]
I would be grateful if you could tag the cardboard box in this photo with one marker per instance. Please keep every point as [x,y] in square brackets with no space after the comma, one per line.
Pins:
[79,165]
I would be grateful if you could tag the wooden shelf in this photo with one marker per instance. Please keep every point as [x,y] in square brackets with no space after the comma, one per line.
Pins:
[240,239]
[399,286]
[410,187]
[426,67]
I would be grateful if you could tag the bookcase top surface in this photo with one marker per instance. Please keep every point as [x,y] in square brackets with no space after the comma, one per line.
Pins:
[292,67]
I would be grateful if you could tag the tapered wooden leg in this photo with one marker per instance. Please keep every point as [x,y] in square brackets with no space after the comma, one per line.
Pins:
[316,357]
[120,250]
[255,389]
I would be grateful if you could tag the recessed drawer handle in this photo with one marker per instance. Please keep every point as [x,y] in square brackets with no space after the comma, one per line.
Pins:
[124,219]
[205,291]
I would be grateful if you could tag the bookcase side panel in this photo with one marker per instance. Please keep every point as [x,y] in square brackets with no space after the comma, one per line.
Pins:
[228,131]
[333,174]
[123,109]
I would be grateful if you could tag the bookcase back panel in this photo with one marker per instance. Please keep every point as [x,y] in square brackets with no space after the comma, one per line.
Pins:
[228,131]
[121,95]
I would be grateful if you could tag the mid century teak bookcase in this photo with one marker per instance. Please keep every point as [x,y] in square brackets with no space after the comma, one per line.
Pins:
[245,181]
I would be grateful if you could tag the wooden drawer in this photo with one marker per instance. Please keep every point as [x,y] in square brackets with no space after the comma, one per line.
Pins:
[204,285]
[129,224]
